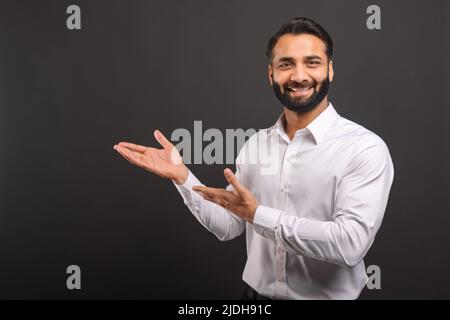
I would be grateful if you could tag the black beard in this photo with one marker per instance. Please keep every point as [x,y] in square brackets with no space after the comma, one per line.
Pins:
[302,106]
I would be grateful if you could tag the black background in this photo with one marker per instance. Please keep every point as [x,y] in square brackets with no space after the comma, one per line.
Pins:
[66,97]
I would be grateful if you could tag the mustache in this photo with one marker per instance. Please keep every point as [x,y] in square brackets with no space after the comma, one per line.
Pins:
[303,84]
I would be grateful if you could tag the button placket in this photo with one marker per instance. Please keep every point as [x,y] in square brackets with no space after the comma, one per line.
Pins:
[281,288]
[280,253]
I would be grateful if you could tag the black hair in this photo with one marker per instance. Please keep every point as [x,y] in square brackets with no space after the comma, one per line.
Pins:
[299,26]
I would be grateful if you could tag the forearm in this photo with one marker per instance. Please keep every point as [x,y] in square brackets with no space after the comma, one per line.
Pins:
[343,241]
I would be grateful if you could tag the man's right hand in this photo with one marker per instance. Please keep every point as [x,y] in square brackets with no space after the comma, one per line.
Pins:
[166,162]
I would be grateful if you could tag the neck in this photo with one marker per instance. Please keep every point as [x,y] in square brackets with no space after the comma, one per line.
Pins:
[296,121]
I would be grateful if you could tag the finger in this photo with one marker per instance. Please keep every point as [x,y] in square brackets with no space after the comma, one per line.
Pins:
[203,190]
[162,139]
[212,192]
[125,153]
[213,199]
[133,147]
[231,178]
[198,188]
[206,197]
[132,157]
[219,196]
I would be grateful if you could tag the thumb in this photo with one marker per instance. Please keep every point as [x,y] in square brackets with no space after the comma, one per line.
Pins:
[162,139]
[231,178]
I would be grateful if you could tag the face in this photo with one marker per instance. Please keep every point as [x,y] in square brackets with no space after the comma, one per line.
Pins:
[300,72]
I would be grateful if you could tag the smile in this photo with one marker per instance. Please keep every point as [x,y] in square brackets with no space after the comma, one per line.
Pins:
[297,92]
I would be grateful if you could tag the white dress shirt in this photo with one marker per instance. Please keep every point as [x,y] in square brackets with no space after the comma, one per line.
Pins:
[322,198]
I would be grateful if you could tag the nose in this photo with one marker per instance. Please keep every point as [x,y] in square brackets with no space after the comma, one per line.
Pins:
[299,74]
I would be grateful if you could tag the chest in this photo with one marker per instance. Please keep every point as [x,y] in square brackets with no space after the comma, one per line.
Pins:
[303,174]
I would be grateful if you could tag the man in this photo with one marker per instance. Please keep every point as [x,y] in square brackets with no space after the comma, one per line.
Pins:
[309,222]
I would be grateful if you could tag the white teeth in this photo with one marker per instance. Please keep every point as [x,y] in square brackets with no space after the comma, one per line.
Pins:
[299,89]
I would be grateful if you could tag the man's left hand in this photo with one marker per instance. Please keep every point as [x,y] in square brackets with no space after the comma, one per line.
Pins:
[240,201]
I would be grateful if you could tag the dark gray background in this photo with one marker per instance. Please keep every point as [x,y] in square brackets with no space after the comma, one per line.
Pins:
[66,97]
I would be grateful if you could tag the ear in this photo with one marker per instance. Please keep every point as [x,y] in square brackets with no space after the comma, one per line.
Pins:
[270,74]
[330,70]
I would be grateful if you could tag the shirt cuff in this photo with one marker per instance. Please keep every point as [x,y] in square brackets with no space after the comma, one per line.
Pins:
[191,181]
[185,189]
[266,217]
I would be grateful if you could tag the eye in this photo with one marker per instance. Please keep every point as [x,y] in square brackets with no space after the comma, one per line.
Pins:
[284,65]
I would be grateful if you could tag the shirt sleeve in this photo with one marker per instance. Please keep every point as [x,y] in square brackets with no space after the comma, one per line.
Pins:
[360,202]
[221,222]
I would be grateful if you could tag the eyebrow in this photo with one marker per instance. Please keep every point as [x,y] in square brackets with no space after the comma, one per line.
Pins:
[312,57]
[307,58]
[286,59]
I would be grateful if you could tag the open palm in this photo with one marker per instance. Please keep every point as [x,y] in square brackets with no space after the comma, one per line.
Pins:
[165,162]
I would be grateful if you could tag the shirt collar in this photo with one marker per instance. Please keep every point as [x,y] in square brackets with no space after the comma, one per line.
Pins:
[318,127]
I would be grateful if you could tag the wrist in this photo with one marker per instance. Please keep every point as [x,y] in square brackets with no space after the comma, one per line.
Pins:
[182,177]
[253,209]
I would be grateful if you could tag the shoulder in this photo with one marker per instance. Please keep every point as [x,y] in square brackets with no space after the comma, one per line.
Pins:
[359,136]
[368,148]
